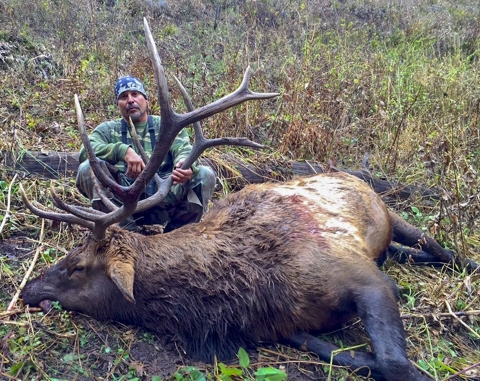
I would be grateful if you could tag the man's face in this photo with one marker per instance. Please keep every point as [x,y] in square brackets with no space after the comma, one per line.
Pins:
[132,104]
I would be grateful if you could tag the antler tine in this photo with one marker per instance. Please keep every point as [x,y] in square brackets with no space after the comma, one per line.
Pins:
[143,154]
[129,201]
[167,133]
[95,164]
[160,194]
[172,123]
[163,186]
[62,217]
[88,214]
[101,193]
[139,146]
[201,143]
[240,95]
[197,127]
[160,77]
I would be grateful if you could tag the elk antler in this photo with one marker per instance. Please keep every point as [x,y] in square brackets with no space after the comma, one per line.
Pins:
[171,124]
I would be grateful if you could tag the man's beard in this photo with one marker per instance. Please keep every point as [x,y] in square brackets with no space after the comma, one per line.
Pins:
[137,116]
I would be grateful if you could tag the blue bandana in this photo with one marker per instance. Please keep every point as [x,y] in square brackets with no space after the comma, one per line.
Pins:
[129,83]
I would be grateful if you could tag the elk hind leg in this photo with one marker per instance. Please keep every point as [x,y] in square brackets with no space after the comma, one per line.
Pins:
[409,235]
[429,251]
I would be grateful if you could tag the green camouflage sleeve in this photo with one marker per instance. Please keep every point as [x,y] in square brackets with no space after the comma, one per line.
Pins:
[107,143]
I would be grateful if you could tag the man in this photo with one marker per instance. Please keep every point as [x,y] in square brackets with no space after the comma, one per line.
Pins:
[193,187]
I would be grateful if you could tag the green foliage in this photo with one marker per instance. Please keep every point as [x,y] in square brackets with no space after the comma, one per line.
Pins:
[270,374]
[189,373]
[56,305]
[20,346]
[231,373]
[439,363]
[4,185]
[51,255]
[417,217]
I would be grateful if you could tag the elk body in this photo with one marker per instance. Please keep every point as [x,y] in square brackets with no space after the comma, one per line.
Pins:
[274,262]
[264,264]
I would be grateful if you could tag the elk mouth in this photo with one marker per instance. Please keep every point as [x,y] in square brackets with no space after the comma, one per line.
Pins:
[46,305]
[32,296]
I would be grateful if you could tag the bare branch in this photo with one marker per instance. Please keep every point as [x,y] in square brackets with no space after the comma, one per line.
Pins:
[7,213]
[30,268]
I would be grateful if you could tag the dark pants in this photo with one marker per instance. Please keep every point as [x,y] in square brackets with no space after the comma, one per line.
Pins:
[185,203]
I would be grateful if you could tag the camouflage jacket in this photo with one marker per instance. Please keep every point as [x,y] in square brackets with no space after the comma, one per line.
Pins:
[107,143]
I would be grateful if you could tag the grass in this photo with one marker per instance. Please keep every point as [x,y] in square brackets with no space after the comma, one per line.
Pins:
[394,79]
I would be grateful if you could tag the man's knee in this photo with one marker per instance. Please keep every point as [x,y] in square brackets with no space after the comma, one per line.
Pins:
[206,178]
[83,181]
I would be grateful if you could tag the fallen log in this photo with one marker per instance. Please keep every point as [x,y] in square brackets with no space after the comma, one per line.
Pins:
[56,165]
[48,165]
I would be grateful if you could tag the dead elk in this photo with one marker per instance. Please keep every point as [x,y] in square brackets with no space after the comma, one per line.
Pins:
[265,264]
[273,262]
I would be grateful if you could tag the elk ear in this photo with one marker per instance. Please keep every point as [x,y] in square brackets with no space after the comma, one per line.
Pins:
[122,274]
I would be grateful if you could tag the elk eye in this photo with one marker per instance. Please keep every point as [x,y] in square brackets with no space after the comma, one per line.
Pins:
[79,268]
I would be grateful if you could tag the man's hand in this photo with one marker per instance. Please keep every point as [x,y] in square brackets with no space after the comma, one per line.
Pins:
[181,176]
[135,164]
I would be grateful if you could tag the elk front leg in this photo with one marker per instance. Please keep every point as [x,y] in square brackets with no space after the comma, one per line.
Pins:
[361,363]
[377,307]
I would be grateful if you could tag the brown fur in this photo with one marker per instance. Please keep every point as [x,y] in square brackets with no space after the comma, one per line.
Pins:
[265,264]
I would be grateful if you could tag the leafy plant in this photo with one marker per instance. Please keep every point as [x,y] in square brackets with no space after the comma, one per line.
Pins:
[189,373]
[232,373]
[262,374]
